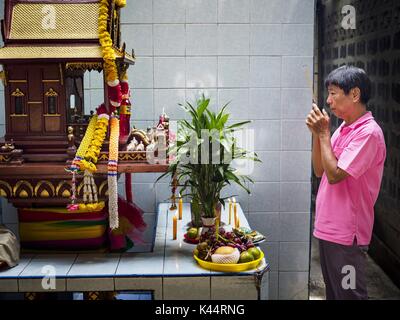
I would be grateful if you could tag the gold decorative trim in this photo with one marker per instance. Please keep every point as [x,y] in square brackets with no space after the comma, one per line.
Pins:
[4,158]
[17,81]
[20,183]
[7,185]
[60,185]
[84,66]
[50,81]
[18,115]
[17,93]
[124,156]
[44,194]
[103,157]
[23,194]
[42,182]
[52,115]
[66,194]
[51,93]
[103,184]
[61,52]
[35,102]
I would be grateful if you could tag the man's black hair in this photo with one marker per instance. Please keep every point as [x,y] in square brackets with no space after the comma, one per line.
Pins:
[349,77]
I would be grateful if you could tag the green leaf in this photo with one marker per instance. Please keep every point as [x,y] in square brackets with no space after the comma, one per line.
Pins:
[239,124]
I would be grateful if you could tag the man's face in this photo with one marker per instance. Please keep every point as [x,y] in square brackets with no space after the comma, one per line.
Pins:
[339,103]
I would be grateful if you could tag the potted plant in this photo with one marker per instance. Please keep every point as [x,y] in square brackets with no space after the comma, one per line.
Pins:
[205,152]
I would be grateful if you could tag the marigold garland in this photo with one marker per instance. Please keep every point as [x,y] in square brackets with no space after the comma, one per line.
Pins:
[85,143]
[93,151]
[110,67]
[120,3]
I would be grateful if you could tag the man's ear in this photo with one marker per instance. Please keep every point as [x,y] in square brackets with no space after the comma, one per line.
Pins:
[356,94]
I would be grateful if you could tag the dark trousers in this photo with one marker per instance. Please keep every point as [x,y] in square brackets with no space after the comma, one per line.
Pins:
[343,269]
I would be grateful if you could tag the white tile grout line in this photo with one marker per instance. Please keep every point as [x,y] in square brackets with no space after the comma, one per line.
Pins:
[18,279]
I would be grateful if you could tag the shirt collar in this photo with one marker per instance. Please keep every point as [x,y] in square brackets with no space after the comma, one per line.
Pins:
[366,117]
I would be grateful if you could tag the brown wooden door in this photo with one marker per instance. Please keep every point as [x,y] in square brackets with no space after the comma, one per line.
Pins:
[36,100]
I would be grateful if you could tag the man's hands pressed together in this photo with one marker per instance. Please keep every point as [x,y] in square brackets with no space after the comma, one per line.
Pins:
[318,122]
[323,157]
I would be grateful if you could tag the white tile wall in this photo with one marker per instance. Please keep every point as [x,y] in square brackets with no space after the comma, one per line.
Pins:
[266,11]
[265,39]
[142,104]
[238,100]
[96,80]
[233,39]
[169,11]
[138,37]
[141,74]
[169,72]
[297,39]
[138,11]
[233,72]
[201,40]
[233,11]
[201,11]
[265,72]
[264,103]
[169,39]
[201,72]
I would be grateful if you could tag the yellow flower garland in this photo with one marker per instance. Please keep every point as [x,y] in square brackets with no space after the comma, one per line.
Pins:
[120,3]
[93,151]
[87,138]
[110,67]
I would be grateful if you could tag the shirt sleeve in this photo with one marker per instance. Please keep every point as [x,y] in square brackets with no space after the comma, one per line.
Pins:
[359,155]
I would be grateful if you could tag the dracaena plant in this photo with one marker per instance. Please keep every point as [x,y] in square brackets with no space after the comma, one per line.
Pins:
[205,153]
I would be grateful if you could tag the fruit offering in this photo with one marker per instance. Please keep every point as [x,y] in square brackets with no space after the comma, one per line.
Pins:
[192,235]
[226,247]
[225,254]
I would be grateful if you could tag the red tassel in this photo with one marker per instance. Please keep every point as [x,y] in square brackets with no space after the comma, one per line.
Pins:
[101,109]
[115,95]
[124,87]
[133,213]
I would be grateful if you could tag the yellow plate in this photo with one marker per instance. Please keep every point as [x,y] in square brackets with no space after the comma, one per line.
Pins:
[229,267]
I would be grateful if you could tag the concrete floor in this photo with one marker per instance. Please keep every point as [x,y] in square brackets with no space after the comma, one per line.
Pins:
[380,287]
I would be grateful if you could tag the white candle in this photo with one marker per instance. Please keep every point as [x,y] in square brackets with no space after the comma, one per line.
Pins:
[72,101]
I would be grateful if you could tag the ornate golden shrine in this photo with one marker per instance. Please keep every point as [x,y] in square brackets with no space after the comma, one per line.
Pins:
[48,45]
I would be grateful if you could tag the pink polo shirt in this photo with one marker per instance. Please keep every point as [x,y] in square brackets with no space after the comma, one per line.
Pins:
[345,210]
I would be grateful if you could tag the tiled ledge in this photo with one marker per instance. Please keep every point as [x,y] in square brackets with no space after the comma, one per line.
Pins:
[169,270]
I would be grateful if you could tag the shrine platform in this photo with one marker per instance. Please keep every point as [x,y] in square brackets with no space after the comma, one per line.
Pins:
[168,270]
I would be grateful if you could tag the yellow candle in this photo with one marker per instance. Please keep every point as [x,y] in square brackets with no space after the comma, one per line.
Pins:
[238,223]
[180,206]
[174,226]
[230,210]
[235,211]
